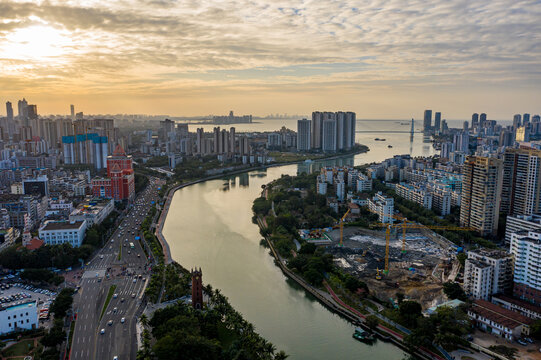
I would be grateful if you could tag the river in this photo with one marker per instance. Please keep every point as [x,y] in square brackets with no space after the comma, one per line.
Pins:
[209,226]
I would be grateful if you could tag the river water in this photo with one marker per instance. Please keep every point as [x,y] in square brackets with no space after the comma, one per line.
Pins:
[209,226]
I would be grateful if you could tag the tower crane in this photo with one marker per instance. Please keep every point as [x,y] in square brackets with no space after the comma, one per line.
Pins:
[410,225]
[342,228]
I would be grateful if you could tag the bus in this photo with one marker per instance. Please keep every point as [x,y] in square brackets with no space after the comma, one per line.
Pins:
[132,246]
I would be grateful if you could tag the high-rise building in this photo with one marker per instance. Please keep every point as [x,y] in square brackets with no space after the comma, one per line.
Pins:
[437,121]
[522,134]
[507,138]
[465,126]
[22,112]
[517,121]
[525,119]
[217,138]
[329,135]
[200,136]
[474,120]
[462,142]
[482,120]
[521,185]
[345,129]
[32,111]
[481,189]
[232,140]
[317,129]
[9,111]
[304,130]
[72,112]
[488,272]
[427,122]
[526,250]
[349,130]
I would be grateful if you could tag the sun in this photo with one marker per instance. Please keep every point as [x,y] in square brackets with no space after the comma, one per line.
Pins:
[37,42]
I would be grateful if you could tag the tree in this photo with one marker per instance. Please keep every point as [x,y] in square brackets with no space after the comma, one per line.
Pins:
[461,257]
[62,303]
[535,329]
[454,291]
[409,312]
[372,322]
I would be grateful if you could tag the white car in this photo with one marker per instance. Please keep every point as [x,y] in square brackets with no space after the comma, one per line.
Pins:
[102,331]
[122,320]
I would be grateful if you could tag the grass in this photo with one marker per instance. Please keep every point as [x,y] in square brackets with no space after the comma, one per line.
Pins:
[72,330]
[19,349]
[108,299]
[120,252]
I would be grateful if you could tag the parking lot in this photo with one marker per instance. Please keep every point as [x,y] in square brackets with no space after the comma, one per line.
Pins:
[16,293]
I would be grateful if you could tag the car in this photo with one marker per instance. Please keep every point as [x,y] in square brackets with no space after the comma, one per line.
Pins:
[112,240]
[115,310]
[115,357]
[110,322]
[122,320]
[122,300]
[134,280]
[102,331]
[138,255]
[99,280]
[522,342]
[115,296]
[133,295]
[101,256]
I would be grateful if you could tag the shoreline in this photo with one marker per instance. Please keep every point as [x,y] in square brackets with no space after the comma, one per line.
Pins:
[171,192]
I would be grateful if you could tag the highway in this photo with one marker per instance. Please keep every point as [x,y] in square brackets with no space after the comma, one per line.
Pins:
[129,274]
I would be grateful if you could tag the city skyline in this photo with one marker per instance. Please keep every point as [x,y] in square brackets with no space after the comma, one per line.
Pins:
[381,61]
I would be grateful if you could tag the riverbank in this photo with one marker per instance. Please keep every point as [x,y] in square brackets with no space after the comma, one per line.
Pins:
[171,192]
[332,302]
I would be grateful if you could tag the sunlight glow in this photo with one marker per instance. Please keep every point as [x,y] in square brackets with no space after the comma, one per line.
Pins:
[37,42]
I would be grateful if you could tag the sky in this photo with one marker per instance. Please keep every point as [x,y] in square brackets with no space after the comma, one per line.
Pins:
[379,58]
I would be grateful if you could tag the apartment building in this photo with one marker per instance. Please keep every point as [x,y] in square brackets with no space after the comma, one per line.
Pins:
[487,272]
[481,189]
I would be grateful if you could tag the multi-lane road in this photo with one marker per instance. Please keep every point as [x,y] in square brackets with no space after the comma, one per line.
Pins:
[114,335]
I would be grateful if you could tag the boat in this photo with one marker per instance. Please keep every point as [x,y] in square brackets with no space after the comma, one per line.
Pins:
[378,139]
[389,146]
[362,335]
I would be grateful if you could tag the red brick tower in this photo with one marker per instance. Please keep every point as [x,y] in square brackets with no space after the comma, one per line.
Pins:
[197,289]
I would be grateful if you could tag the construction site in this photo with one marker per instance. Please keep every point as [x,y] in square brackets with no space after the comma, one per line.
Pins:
[418,262]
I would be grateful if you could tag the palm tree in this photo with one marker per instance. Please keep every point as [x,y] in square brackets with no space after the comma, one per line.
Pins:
[281,355]
[144,320]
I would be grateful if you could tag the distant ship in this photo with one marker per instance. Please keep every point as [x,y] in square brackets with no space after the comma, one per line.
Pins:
[378,139]
[389,146]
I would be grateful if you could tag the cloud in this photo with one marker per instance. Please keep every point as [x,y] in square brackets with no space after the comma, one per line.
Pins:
[167,44]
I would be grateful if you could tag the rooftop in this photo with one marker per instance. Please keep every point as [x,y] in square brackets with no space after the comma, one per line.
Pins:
[507,318]
[62,225]
[521,303]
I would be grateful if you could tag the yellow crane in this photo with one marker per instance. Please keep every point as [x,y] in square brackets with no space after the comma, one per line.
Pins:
[410,225]
[342,228]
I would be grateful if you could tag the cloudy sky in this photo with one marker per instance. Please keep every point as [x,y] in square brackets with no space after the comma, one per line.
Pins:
[380,58]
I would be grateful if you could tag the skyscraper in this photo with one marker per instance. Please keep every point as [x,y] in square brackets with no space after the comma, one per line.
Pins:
[304,128]
[9,111]
[525,119]
[521,186]
[329,135]
[481,189]
[437,121]
[32,112]
[482,120]
[427,122]
[474,120]
[317,129]
[72,111]
[22,112]
[516,121]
